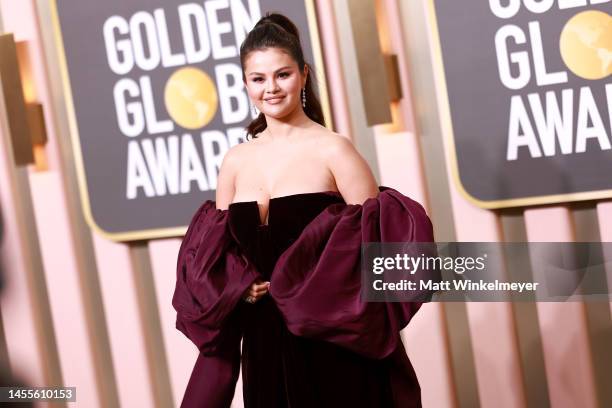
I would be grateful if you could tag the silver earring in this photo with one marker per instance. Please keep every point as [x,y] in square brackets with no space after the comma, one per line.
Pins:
[255,111]
[303,97]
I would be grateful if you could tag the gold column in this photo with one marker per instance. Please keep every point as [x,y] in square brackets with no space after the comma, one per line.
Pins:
[378,74]
[17,112]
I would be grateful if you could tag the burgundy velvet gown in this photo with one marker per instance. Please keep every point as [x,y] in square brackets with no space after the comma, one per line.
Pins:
[310,342]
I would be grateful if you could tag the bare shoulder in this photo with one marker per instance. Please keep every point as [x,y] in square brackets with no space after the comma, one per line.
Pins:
[334,145]
[227,174]
[331,143]
[351,172]
[235,152]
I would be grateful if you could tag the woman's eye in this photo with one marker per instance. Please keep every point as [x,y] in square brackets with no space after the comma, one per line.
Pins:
[283,74]
[257,79]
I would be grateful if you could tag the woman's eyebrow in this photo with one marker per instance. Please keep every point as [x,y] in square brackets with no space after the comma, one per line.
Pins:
[259,73]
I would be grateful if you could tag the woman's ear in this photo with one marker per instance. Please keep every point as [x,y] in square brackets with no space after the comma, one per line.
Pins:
[305,75]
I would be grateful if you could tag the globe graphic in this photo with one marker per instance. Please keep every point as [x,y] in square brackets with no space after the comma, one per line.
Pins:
[191,98]
[586,44]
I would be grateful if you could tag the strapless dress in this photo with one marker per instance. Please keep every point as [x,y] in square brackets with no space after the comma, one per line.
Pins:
[310,342]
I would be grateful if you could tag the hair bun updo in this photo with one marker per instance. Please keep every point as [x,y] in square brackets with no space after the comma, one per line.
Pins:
[280,20]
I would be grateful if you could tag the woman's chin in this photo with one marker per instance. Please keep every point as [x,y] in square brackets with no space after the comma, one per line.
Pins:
[276,115]
[279,113]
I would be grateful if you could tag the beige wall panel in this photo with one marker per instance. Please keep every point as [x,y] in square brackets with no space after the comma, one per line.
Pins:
[564,331]
[425,336]
[182,354]
[66,296]
[604,214]
[123,319]
[492,329]
[333,68]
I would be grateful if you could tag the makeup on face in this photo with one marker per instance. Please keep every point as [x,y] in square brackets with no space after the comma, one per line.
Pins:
[273,81]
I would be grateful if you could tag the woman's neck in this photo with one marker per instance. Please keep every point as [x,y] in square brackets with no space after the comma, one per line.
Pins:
[287,126]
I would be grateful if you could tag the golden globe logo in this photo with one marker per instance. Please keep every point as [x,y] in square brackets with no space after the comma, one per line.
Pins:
[585,46]
[191,98]
[161,161]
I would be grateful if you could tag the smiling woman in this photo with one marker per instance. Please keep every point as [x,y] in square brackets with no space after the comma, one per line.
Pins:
[275,262]
[274,92]
[276,76]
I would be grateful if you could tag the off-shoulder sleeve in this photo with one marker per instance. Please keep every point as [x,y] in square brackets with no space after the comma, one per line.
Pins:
[211,277]
[317,282]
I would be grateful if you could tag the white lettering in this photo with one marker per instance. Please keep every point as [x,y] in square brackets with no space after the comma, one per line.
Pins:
[126,111]
[144,20]
[162,163]
[153,125]
[538,6]
[553,122]
[520,58]
[137,174]
[542,77]
[168,58]
[218,28]
[242,20]
[520,120]
[187,12]
[507,11]
[231,93]
[118,52]
[214,145]
[587,109]
[191,166]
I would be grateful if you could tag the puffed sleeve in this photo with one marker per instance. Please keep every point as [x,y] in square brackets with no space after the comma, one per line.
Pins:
[317,282]
[211,277]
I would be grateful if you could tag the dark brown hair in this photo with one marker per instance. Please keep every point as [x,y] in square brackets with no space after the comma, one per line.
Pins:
[277,31]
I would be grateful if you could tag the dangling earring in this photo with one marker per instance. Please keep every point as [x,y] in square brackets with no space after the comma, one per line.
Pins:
[303,97]
[255,111]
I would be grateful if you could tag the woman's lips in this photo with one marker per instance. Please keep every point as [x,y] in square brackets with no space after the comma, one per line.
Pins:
[274,101]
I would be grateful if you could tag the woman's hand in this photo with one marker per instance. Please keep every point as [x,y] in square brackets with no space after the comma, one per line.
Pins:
[257,289]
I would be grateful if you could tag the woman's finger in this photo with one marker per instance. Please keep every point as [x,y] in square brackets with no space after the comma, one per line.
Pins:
[257,290]
[262,285]
[263,288]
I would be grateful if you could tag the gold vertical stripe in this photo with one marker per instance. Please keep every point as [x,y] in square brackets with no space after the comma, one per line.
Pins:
[462,354]
[15,103]
[372,72]
[393,78]
[36,122]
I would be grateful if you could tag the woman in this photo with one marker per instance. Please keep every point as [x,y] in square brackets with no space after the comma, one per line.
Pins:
[276,263]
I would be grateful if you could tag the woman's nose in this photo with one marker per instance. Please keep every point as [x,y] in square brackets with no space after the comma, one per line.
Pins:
[271,86]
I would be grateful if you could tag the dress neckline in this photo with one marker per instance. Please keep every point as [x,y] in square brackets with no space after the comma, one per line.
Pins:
[261,224]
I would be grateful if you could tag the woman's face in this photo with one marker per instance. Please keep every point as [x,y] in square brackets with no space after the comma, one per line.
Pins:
[274,82]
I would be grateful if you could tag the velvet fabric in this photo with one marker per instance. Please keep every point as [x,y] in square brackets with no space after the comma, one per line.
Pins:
[311,342]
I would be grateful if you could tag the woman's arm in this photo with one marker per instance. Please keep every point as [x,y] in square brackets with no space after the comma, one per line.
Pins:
[225,180]
[351,172]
